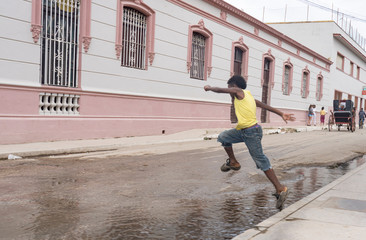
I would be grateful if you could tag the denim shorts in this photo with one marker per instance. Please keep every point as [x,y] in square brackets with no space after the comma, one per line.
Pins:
[252,138]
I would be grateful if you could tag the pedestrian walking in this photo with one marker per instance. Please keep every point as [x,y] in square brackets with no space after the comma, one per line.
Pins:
[314,115]
[310,114]
[361,117]
[250,132]
[322,116]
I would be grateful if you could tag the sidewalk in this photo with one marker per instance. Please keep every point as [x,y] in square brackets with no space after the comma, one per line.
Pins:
[335,212]
[93,145]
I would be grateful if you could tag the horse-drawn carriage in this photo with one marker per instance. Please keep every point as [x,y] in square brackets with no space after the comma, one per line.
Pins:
[343,114]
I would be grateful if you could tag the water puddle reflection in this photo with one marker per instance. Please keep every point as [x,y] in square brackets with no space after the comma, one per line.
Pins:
[231,213]
[221,216]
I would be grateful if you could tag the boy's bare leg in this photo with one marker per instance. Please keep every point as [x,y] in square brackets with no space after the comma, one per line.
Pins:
[230,153]
[273,178]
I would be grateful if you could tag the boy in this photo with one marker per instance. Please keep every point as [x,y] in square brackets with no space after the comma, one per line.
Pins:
[249,132]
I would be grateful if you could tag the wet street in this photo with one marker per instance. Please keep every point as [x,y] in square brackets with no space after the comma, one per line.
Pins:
[180,195]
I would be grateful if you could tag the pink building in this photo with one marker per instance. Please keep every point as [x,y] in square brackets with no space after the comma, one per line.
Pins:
[82,69]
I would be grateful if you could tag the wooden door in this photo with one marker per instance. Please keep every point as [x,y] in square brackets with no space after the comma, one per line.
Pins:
[265,88]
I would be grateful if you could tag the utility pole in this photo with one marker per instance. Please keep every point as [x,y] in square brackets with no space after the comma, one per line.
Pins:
[285,12]
[342,18]
[332,11]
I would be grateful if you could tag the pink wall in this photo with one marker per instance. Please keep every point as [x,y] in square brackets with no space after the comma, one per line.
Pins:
[110,115]
[277,121]
[101,116]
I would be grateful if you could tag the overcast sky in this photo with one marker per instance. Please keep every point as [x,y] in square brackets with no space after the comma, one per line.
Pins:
[297,10]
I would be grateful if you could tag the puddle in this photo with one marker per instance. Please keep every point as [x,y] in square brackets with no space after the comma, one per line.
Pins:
[230,214]
[85,204]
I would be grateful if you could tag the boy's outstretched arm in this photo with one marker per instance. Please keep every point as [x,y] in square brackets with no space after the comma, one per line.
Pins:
[233,91]
[285,116]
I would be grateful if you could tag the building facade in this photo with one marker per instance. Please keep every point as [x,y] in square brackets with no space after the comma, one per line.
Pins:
[82,69]
[348,74]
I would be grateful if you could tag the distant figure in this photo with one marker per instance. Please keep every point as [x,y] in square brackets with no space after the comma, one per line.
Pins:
[314,115]
[310,114]
[342,106]
[361,117]
[322,116]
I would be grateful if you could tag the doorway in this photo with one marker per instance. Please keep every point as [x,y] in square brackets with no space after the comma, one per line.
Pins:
[265,88]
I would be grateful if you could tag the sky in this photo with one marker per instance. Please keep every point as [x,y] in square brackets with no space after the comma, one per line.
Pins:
[298,10]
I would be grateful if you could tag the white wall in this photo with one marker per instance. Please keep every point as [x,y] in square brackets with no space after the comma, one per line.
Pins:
[168,76]
[314,35]
[319,37]
[19,56]
[342,79]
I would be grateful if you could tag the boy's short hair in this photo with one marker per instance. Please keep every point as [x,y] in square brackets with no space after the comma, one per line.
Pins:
[238,81]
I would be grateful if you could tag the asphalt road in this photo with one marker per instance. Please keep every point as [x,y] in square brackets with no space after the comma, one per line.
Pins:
[172,195]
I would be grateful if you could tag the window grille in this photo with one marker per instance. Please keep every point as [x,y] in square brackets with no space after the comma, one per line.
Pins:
[238,61]
[318,89]
[286,80]
[133,39]
[304,84]
[58,104]
[198,56]
[59,45]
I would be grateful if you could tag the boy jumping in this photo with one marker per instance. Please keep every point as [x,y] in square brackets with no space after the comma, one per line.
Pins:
[249,132]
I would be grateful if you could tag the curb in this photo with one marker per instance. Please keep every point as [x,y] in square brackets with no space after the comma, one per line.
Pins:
[100,148]
[110,146]
[262,227]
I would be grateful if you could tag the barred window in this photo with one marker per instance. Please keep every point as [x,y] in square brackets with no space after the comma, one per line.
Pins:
[304,84]
[286,80]
[319,88]
[133,39]
[238,61]
[198,56]
[59,45]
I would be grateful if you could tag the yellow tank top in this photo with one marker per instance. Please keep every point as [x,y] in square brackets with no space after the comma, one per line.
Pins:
[245,111]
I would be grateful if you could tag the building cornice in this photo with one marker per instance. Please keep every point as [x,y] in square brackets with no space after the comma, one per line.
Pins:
[349,45]
[224,6]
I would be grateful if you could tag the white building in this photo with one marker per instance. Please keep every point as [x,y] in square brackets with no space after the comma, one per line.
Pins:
[79,69]
[348,74]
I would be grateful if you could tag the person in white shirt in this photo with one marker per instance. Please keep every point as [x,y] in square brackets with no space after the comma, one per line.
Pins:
[314,117]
